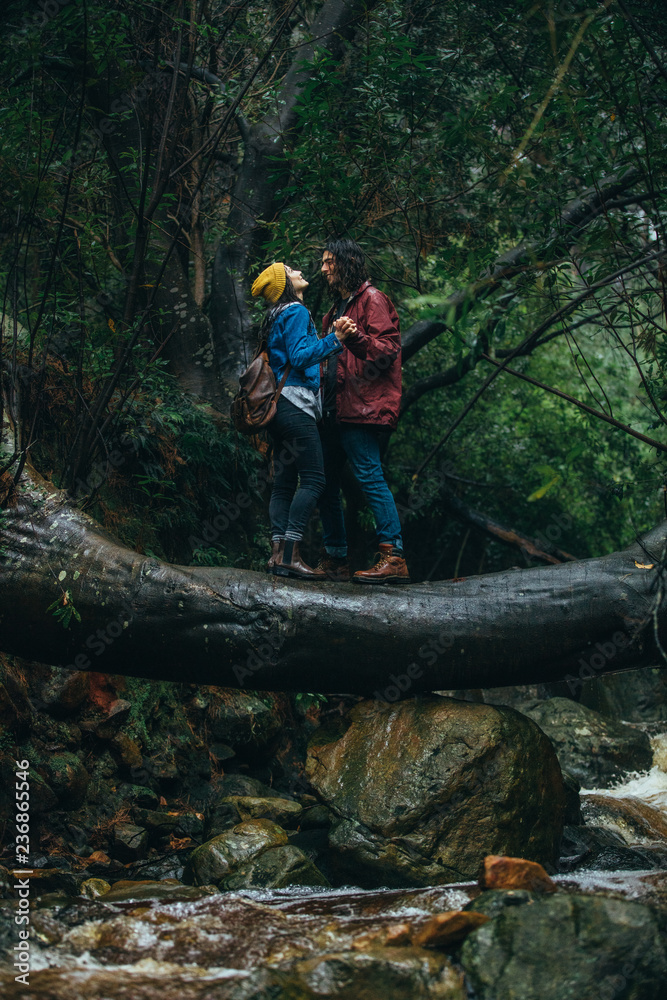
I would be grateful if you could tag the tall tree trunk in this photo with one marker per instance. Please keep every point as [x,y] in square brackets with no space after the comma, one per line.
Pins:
[242,629]
[253,199]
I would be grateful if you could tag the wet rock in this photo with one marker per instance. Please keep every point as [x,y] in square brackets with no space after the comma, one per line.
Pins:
[117,715]
[241,784]
[494,901]
[224,812]
[633,695]
[567,946]
[285,812]
[515,873]
[129,841]
[276,869]
[580,842]
[635,821]
[595,848]
[425,789]
[163,825]
[128,750]
[68,778]
[397,936]
[45,880]
[63,691]
[166,891]
[223,855]
[42,797]
[445,929]
[316,817]
[221,752]
[378,974]
[573,813]
[55,900]
[222,816]
[240,719]
[173,866]
[620,858]
[595,750]
[137,795]
[91,888]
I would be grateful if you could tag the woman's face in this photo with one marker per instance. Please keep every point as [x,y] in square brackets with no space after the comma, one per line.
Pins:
[299,283]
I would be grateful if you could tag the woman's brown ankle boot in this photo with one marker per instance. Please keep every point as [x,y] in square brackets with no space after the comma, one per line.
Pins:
[290,563]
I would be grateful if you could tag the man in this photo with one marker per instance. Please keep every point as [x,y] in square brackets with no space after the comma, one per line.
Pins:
[361,399]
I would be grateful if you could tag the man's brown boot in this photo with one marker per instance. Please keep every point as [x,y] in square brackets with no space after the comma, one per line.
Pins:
[277,546]
[390,567]
[290,563]
[337,568]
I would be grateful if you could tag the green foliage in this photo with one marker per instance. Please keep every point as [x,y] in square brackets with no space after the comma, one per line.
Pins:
[63,609]
[436,137]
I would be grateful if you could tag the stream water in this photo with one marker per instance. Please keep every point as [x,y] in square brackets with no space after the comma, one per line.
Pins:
[205,948]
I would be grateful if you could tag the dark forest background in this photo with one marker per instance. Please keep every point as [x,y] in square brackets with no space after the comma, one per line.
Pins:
[503,166]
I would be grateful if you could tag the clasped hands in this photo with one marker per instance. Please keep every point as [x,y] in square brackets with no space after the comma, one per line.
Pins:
[344,328]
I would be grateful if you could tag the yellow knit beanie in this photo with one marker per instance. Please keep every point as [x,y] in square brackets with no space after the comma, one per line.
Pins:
[270,283]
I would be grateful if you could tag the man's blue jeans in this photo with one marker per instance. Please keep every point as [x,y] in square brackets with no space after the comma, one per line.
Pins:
[358,444]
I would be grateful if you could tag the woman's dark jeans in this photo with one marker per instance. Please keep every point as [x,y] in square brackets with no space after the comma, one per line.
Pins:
[298,471]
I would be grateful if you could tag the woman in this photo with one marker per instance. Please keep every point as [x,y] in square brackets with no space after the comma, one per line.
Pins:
[298,464]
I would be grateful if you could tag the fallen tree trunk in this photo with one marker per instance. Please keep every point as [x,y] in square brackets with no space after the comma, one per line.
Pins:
[236,628]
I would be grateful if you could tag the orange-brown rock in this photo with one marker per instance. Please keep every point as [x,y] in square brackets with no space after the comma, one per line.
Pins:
[448,928]
[397,936]
[515,873]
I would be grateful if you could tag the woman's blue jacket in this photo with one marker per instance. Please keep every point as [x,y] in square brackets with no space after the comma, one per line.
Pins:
[293,337]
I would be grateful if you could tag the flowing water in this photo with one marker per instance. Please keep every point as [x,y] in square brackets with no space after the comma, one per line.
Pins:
[143,949]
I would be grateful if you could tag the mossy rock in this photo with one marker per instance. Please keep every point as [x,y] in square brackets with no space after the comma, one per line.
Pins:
[220,857]
[567,946]
[68,778]
[595,750]
[276,868]
[423,790]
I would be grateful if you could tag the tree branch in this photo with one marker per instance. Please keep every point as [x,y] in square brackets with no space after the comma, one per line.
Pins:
[578,214]
[582,406]
[509,536]
[236,628]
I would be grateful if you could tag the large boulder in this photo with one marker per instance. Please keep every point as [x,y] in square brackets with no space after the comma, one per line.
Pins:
[423,790]
[564,946]
[595,750]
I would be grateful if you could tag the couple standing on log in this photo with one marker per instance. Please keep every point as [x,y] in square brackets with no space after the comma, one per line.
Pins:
[338,415]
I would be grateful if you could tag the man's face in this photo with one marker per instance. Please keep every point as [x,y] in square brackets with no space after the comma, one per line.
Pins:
[329,269]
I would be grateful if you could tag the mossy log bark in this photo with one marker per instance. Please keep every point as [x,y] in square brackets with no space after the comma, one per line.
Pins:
[241,629]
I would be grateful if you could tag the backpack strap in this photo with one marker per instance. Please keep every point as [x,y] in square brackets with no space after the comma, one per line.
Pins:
[288,369]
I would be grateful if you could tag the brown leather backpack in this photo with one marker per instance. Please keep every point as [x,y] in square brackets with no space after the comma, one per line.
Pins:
[255,403]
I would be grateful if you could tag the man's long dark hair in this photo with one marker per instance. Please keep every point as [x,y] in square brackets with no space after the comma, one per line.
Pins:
[350,264]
